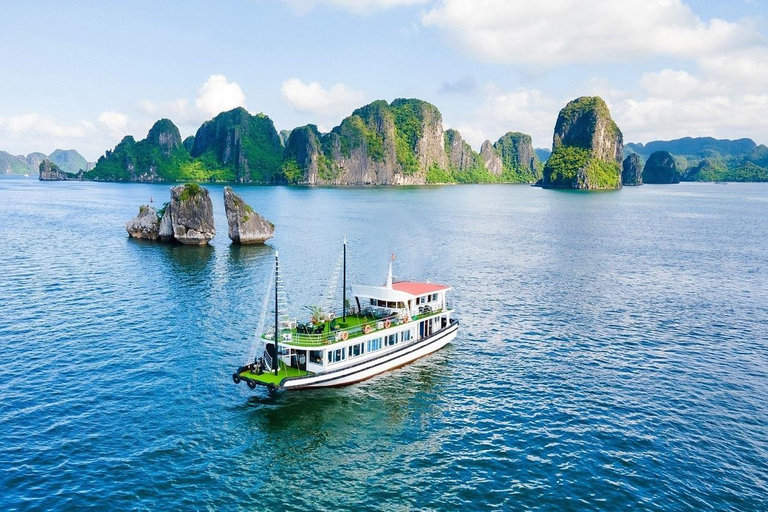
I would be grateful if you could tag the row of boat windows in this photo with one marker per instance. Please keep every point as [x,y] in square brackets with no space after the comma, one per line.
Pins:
[358,349]
[426,298]
[392,304]
[387,304]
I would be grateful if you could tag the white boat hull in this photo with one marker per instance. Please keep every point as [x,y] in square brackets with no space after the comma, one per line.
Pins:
[371,367]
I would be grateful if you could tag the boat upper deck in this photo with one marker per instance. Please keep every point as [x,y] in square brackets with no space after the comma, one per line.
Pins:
[339,329]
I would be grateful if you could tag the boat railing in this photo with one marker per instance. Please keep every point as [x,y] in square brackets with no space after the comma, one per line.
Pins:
[360,329]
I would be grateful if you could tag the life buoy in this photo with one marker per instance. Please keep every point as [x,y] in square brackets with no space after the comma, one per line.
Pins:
[236,378]
[367,329]
[387,323]
[251,384]
[406,319]
[344,335]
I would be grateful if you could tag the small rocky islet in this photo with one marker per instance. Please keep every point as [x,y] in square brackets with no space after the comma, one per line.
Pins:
[188,219]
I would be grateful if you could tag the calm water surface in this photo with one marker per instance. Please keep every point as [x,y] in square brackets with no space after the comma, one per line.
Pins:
[613,353]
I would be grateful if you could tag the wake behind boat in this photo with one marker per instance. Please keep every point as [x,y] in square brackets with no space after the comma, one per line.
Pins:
[388,326]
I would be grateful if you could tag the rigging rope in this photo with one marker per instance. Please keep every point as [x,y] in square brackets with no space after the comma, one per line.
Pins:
[257,341]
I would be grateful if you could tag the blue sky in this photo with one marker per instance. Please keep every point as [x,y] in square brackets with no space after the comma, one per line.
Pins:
[83,74]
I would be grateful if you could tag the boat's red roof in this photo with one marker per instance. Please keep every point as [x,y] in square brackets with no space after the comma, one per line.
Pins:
[415,288]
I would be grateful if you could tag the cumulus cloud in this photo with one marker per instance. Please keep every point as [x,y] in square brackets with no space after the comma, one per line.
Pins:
[522,110]
[746,69]
[43,125]
[558,32]
[115,122]
[26,133]
[356,6]
[218,95]
[327,105]
[704,111]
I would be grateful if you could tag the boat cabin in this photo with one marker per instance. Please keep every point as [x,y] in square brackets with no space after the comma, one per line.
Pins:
[409,298]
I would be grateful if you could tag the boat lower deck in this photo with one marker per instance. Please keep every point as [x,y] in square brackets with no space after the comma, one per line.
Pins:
[269,378]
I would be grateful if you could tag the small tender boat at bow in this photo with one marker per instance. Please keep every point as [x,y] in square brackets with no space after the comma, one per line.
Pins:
[387,326]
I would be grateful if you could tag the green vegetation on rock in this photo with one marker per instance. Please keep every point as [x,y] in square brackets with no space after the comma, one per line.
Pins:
[245,145]
[159,157]
[191,191]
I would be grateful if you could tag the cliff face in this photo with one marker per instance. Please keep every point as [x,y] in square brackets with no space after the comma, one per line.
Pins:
[632,170]
[165,136]
[460,155]
[380,143]
[145,225]
[188,218]
[661,168]
[246,145]
[491,158]
[519,160]
[245,225]
[586,148]
[303,149]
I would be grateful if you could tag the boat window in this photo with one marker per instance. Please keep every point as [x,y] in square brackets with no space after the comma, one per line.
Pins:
[374,344]
[405,335]
[374,302]
[400,305]
[335,356]
[391,340]
[316,356]
[356,350]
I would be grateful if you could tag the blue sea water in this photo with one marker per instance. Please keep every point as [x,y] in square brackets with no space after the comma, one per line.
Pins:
[613,353]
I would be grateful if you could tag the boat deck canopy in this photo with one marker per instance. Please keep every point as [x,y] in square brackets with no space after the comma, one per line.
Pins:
[401,291]
[415,288]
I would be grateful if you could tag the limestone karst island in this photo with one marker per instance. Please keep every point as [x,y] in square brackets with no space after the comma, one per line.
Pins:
[404,143]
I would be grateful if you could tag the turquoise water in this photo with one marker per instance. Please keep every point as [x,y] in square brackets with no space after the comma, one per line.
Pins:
[613,353]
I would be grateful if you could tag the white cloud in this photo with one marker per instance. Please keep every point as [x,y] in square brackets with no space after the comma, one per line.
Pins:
[679,85]
[355,6]
[218,95]
[327,105]
[26,133]
[43,125]
[746,69]
[115,122]
[659,116]
[558,32]
[521,110]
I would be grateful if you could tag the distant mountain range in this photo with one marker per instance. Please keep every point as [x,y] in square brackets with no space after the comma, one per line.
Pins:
[68,160]
[709,159]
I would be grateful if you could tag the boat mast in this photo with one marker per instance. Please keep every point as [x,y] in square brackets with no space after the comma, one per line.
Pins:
[277,279]
[344,285]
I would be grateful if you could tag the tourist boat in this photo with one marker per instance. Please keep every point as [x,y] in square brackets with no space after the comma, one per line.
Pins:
[386,327]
